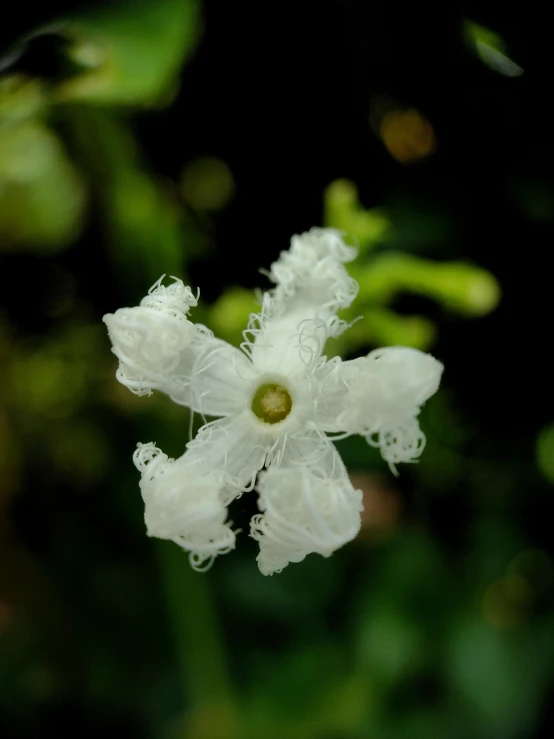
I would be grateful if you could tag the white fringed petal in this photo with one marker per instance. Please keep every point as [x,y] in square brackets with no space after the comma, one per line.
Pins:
[183,504]
[313,263]
[160,349]
[234,446]
[401,441]
[149,338]
[311,448]
[287,340]
[174,300]
[299,314]
[211,377]
[304,512]
[380,396]
[312,269]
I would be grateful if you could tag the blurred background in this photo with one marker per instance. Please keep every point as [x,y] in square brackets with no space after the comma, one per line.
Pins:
[142,137]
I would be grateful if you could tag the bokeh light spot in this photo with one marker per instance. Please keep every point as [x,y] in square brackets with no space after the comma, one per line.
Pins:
[407,135]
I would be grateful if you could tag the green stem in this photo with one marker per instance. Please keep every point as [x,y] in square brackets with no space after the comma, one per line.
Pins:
[207,689]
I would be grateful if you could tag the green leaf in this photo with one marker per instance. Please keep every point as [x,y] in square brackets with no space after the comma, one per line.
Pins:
[42,196]
[228,316]
[491,49]
[144,227]
[343,211]
[127,53]
[545,452]
[461,287]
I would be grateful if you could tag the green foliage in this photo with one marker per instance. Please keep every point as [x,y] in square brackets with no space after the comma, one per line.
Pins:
[383,274]
[42,194]
[368,228]
[129,53]
[545,452]
[125,53]
[490,48]
[143,225]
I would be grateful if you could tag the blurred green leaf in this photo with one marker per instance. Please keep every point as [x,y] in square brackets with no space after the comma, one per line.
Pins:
[545,452]
[404,224]
[501,674]
[145,228]
[459,286]
[343,211]
[307,693]
[228,316]
[21,99]
[491,49]
[382,327]
[42,195]
[50,379]
[128,52]
[391,643]
[389,328]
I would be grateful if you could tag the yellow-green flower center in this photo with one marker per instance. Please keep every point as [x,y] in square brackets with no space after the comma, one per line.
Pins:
[271,403]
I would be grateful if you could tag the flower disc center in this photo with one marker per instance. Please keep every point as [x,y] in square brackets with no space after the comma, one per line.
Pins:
[271,403]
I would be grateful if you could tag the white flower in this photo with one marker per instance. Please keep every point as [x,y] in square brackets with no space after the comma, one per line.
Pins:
[303,513]
[148,339]
[276,399]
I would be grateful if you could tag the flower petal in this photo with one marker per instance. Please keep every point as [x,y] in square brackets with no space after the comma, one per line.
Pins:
[212,377]
[183,504]
[305,509]
[312,268]
[308,447]
[160,349]
[148,338]
[233,446]
[379,396]
[299,314]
